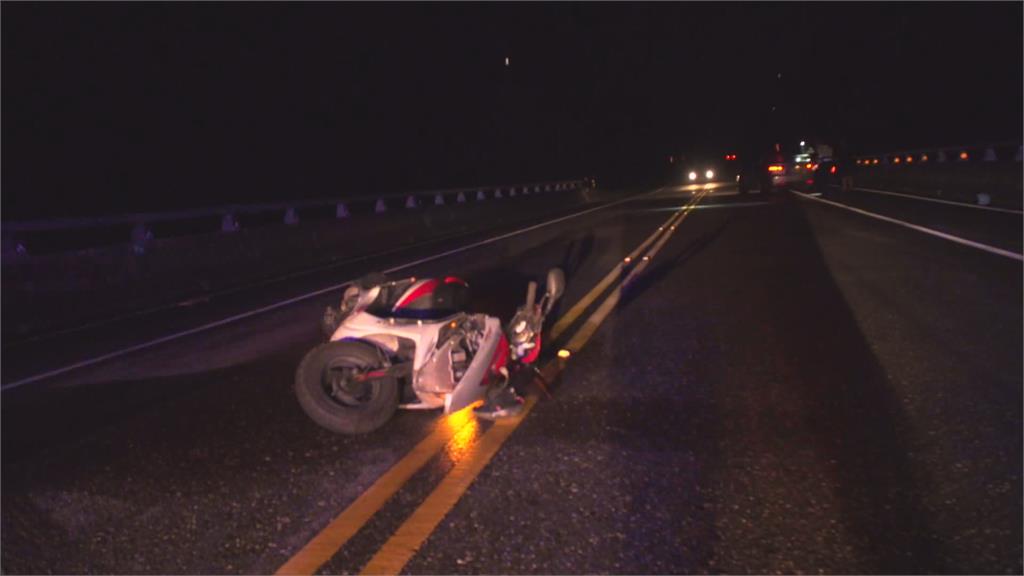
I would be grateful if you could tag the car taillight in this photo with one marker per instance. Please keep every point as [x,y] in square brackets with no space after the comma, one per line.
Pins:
[776,168]
[832,170]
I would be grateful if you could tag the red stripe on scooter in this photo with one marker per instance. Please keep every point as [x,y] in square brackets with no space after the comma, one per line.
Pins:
[454,280]
[425,288]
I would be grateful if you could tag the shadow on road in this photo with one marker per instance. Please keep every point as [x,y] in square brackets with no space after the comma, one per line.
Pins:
[857,418]
[735,392]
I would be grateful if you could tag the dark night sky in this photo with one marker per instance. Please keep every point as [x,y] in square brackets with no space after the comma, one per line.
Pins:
[122,107]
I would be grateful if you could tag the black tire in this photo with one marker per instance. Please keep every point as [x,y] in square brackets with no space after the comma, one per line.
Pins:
[352,408]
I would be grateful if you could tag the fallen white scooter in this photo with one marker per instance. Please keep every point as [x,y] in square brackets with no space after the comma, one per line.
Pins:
[409,344]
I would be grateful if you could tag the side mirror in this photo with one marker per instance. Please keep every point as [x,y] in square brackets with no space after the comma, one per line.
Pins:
[555,288]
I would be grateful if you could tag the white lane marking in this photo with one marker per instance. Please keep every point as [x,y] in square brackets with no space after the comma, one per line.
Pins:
[710,206]
[731,205]
[937,201]
[203,328]
[931,231]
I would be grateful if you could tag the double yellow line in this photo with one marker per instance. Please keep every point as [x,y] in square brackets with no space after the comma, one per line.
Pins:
[459,433]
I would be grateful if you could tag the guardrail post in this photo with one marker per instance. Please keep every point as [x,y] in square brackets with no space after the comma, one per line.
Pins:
[480,196]
[461,198]
[438,200]
[140,238]
[990,155]
[229,223]
[536,189]
[380,207]
[410,201]
[341,211]
[291,217]
[497,192]
[940,156]
[512,192]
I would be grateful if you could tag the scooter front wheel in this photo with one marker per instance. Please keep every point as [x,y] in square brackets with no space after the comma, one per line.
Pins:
[337,387]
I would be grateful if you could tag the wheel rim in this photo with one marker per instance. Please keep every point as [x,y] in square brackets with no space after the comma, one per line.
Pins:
[343,385]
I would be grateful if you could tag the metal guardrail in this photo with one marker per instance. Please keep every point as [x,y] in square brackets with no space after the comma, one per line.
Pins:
[1009,151]
[142,223]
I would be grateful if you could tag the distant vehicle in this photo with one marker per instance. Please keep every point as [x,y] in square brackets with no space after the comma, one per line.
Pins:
[776,171]
[766,172]
[751,174]
[825,175]
[720,169]
[799,174]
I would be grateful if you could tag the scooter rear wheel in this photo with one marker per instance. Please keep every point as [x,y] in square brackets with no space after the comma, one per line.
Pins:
[334,389]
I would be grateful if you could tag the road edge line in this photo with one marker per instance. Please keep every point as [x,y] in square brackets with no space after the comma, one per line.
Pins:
[923,229]
[938,200]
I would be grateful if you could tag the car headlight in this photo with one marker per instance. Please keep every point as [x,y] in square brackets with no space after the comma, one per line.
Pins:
[693,175]
[709,174]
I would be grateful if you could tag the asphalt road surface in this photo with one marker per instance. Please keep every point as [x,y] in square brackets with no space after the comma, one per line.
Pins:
[786,387]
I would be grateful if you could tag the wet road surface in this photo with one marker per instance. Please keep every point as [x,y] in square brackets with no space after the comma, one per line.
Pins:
[788,387]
